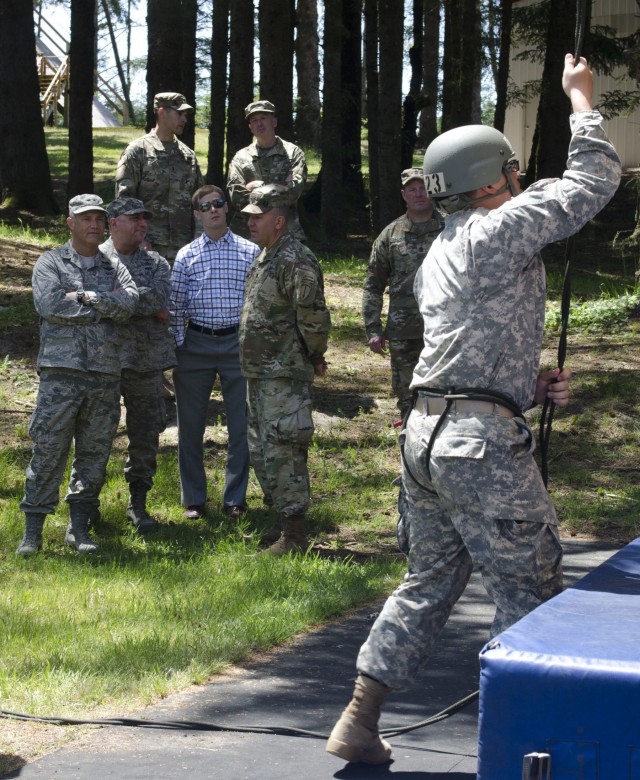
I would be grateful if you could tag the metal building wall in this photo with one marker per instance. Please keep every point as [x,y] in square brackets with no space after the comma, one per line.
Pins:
[624,131]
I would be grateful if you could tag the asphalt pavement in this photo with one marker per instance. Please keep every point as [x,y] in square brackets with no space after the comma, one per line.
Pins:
[305,686]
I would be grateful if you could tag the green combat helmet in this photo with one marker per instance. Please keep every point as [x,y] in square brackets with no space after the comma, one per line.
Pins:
[461,160]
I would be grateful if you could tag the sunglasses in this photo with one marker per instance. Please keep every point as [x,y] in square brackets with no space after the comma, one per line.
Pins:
[511,166]
[207,205]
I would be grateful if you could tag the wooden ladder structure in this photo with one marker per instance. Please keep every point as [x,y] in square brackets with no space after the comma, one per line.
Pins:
[53,76]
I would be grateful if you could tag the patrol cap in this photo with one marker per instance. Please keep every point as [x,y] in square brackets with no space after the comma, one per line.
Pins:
[260,106]
[171,100]
[411,173]
[267,197]
[126,207]
[81,203]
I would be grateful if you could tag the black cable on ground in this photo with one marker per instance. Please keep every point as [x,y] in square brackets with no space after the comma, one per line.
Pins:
[192,725]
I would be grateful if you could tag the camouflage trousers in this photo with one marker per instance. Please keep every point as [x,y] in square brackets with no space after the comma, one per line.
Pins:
[483,504]
[78,406]
[280,427]
[146,418]
[404,356]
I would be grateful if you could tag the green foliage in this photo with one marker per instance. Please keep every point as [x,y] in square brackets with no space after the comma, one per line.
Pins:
[605,314]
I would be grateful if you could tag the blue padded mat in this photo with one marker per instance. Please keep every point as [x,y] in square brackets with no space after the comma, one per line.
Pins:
[565,680]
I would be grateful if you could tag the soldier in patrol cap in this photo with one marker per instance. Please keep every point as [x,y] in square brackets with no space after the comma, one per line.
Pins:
[163,173]
[268,160]
[284,329]
[146,350]
[396,255]
[473,493]
[81,295]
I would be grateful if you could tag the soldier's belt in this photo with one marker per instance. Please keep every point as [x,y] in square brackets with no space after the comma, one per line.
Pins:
[436,406]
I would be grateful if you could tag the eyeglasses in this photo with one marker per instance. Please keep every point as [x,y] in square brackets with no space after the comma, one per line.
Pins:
[207,205]
[511,166]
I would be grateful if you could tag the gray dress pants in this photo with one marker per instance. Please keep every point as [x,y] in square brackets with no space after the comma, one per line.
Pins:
[200,360]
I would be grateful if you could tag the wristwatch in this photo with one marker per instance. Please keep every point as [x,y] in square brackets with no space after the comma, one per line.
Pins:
[80,295]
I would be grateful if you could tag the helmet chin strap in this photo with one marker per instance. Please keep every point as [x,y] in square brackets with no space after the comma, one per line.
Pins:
[506,186]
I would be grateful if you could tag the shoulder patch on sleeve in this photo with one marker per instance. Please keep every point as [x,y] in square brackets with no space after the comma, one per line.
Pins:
[306,285]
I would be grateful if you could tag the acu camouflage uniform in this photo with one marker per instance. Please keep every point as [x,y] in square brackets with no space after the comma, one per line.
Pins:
[79,367]
[396,255]
[284,329]
[146,349]
[482,501]
[163,176]
[284,163]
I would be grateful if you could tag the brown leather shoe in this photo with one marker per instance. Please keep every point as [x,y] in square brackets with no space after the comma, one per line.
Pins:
[233,511]
[194,512]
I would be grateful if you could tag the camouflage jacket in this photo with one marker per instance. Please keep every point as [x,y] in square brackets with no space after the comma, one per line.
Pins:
[284,324]
[396,255]
[145,343]
[163,176]
[76,335]
[283,164]
[482,287]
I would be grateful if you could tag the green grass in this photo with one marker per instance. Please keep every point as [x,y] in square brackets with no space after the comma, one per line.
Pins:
[145,617]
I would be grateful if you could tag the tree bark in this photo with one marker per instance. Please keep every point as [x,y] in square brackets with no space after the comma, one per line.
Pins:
[412,100]
[461,63]
[551,137]
[430,62]
[25,178]
[307,123]
[331,197]
[502,76]
[171,61]
[351,100]
[390,33]
[82,64]
[373,113]
[240,75]
[275,30]
[219,45]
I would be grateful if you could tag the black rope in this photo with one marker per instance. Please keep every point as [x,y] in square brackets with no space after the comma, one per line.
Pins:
[194,725]
[548,408]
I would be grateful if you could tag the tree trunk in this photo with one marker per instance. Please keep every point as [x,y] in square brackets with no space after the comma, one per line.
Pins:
[502,76]
[82,64]
[351,101]
[430,63]
[331,198]
[219,45]
[275,30]
[461,63]
[373,114]
[551,137]
[391,33]
[171,61]
[412,100]
[240,75]
[307,124]
[25,179]
[124,83]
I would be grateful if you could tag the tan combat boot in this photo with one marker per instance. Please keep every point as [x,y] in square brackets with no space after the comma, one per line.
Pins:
[355,736]
[293,537]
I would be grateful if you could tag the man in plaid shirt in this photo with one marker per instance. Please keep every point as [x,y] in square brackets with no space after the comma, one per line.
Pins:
[208,281]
